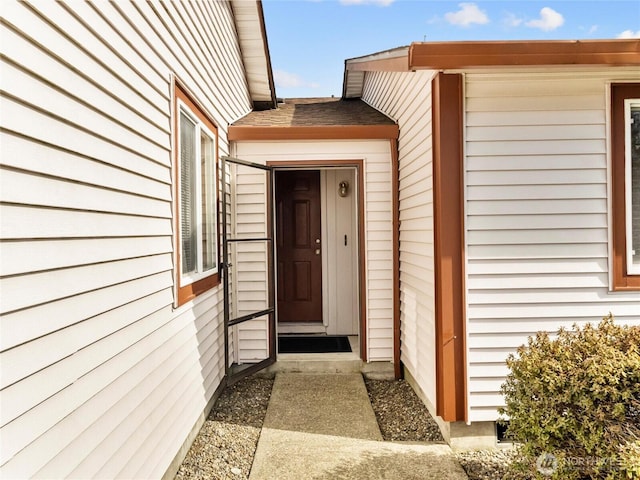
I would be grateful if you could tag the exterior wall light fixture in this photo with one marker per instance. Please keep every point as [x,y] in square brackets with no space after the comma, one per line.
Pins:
[343,188]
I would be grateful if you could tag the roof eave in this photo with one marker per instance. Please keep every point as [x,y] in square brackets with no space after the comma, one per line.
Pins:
[492,54]
[272,85]
[395,60]
[249,18]
[461,55]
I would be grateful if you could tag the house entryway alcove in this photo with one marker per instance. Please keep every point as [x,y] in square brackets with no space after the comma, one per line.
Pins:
[295,253]
[317,257]
[334,167]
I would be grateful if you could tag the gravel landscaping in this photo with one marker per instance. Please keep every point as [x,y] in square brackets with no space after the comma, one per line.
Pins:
[226,444]
[402,416]
[487,464]
[400,413]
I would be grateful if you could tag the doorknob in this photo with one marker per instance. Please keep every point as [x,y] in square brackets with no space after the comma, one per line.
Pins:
[317,240]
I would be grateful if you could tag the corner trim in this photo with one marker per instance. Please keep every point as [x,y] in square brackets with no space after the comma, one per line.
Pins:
[395,192]
[451,372]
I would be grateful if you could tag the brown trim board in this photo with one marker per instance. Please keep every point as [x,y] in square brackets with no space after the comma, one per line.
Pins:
[321,132]
[452,55]
[451,398]
[362,287]
[395,189]
[622,280]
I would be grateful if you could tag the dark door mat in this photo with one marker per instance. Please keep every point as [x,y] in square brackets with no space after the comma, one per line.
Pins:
[313,344]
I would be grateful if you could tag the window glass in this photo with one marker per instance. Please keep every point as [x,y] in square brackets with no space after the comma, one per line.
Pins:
[187,194]
[209,203]
[633,190]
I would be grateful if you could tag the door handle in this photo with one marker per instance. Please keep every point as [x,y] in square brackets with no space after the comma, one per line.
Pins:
[317,251]
[317,240]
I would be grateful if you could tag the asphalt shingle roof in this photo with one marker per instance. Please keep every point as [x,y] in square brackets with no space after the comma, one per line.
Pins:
[312,112]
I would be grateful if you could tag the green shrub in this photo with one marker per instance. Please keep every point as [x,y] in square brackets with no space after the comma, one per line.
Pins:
[629,455]
[576,399]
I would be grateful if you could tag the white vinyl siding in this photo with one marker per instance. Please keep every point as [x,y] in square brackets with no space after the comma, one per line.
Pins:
[537,215]
[378,235]
[407,99]
[100,376]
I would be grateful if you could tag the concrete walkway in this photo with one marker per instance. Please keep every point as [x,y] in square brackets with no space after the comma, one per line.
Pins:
[321,426]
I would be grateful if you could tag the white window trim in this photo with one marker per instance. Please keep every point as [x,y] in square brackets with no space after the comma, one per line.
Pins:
[190,278]
[632,269]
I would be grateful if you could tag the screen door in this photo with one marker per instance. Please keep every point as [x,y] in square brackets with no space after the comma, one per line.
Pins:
[247,267]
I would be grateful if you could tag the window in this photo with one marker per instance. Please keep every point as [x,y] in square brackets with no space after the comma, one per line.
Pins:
[632,186]
[196,197]
[625,144]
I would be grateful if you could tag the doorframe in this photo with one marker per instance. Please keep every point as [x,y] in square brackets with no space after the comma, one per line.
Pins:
[359,168]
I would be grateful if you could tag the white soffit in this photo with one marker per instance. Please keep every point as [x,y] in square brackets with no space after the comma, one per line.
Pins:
[253,46]
[353,84]
[355,68]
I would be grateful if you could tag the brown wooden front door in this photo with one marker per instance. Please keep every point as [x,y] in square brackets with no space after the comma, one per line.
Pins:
[298,246]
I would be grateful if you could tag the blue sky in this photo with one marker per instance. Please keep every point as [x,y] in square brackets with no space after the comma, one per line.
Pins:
[310,39]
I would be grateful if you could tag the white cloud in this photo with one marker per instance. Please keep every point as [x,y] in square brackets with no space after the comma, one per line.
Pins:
[382,3]
[549,20]
[629,34]
[469,13]
[286,79]
[291,80]
[589,30]
[511,20]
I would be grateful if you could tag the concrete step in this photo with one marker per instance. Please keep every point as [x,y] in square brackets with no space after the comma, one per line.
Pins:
[330,363]
[316,363]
